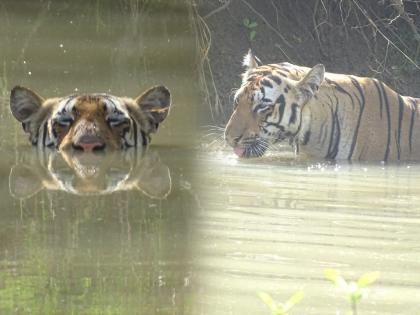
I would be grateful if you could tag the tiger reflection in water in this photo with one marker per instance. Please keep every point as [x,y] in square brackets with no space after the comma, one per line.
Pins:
[90,173]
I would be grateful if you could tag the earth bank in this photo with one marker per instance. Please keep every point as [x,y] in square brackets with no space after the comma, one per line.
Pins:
[376,39]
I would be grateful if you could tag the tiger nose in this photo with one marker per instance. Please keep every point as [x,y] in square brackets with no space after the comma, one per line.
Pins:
[89,143]
[232,140]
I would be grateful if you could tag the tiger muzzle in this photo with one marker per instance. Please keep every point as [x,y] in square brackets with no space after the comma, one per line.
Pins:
[86,138]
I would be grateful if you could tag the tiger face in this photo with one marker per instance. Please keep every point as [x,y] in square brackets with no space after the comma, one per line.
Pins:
[92,122]
[268,106]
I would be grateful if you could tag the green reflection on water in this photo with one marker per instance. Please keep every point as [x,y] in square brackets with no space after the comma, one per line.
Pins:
[127,261]
[82,237]
[56,48]
[124,253]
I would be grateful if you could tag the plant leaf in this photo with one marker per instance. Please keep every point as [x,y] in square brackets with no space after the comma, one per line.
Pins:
[252,24]
[246,22]
[268,300]
[356,296]
[331,274]
[293,300]
[367,279]
[334,276]
[252,35]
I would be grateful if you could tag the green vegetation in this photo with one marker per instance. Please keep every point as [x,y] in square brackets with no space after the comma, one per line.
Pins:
[369,38]
[251,27]
[354,291]
[281,308]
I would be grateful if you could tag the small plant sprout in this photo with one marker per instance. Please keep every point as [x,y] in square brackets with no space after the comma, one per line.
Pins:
[281,308]
[355,290]
[251,27]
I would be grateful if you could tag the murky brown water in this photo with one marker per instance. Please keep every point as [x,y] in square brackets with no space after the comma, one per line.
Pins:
[90,234]
[178,230]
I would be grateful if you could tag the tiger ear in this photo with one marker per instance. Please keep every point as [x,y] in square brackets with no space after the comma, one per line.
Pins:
[155,103]
[251,61]
[309,85]
[24,104]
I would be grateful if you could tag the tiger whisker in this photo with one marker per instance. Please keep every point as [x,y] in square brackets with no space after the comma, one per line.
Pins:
[215,130]
[208,135]
[213,142]
[216,144]
[213,127]
[232,92]
[255,147]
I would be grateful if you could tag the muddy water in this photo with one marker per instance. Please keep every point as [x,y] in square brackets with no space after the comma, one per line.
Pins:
[96,234]
[175,230]
[119,47]
[275,224]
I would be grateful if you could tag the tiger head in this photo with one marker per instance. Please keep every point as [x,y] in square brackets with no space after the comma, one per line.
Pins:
[268,105]
[92,122]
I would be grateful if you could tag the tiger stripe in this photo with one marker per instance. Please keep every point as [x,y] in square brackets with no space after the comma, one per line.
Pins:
[340,89]
[388,116]
[90,121]
[44,134]
[359,119]
[330,115]
[335,133]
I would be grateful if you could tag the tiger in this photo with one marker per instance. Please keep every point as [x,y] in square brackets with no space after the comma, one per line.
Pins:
[322,115]
[90,122]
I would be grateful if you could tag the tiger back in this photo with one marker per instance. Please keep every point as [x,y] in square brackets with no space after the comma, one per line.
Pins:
[325,115]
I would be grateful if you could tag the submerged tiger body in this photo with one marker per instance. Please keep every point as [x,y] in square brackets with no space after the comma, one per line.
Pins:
[92,122]
[325,115]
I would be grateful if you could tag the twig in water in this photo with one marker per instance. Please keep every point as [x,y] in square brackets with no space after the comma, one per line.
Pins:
[222,7]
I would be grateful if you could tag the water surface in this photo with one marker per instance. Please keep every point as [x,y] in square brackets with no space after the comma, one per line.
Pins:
[96,234]
[178,230]
[275,224]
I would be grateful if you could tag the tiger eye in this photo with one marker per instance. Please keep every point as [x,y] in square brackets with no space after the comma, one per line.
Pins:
[75,111]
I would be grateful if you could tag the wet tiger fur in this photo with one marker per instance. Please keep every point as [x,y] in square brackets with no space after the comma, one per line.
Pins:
[325,115]
[92,122]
